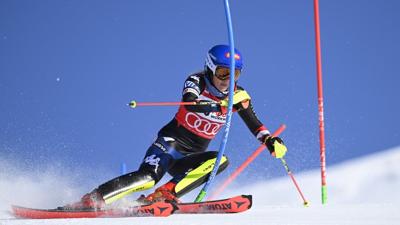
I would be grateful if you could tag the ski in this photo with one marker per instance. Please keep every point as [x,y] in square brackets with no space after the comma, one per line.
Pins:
[230,205]
[154,209]
[160,209]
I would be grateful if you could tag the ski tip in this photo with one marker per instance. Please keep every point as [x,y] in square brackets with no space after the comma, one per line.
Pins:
[250,198]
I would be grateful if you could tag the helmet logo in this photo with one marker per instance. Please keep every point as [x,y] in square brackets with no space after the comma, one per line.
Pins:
[228,55]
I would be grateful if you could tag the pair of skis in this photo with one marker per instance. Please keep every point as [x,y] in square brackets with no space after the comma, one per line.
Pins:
[162,209]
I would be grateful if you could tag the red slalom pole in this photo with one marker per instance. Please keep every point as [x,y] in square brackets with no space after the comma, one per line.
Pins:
[244,165]
[320,102]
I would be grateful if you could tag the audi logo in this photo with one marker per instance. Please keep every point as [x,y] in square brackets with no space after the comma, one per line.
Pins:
[202,125]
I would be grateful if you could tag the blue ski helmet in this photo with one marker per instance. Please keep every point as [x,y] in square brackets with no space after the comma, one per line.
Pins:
[219,55]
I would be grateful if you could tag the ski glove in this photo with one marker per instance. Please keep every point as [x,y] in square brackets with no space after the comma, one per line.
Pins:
[238,97]
[240,101]
[275,145]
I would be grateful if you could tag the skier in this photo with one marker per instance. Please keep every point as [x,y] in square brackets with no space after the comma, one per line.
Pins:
[180,147]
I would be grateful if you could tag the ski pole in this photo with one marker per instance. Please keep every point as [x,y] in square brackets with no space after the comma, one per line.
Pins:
[134,104]
[289,172]
[245,164]
[240,96]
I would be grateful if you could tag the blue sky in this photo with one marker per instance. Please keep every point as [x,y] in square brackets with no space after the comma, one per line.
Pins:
[68,68]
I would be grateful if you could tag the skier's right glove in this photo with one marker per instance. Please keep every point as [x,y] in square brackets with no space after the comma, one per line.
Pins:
[275,145]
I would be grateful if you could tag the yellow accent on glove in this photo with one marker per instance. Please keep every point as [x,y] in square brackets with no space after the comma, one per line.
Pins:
[239,96]
[279,150]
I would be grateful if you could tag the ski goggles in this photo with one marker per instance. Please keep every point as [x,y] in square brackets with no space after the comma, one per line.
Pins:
[222,73]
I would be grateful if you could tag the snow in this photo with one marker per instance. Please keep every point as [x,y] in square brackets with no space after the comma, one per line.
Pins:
[360,191]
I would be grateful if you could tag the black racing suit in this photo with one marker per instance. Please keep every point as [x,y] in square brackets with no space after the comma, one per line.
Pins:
[181,144]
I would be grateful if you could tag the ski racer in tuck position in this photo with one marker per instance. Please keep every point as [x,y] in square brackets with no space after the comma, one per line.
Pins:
[180,146]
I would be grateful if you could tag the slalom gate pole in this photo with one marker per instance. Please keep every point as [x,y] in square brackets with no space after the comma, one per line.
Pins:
[202,194]
[134,104]
[123,168]
[244,165]
[289,172]
[320,102]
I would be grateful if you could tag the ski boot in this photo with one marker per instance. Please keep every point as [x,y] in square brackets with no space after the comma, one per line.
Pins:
[165,193]
[92,200]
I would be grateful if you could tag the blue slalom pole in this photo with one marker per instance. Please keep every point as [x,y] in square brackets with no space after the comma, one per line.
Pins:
[203,192]
[123,168]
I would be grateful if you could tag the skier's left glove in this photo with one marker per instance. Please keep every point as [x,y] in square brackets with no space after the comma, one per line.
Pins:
[240,100]
[275,145]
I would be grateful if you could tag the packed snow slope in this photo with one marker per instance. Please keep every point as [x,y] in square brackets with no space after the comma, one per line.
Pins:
[362,191]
